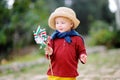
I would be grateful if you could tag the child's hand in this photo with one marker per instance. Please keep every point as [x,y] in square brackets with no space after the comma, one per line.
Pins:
[83,58]
[48,50]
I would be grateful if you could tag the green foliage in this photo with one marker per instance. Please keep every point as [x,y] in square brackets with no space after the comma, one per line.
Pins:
[3,37]
[25,17]
[17,24]
[101,35]
[98,26]
[90,10]
[116,39]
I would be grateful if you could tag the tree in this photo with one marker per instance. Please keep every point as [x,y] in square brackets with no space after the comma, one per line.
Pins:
[90,10]
[117,14]
[4,32]
[17,24]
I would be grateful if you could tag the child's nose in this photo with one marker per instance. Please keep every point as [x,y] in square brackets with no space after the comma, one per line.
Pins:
[59,25]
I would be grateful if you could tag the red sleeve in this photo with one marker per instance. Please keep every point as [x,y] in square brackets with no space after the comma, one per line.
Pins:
[81,47]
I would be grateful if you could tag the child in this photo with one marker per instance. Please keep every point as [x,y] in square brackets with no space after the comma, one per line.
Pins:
[66,46]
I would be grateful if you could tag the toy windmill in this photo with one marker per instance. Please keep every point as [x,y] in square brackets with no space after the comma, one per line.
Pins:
[42,38]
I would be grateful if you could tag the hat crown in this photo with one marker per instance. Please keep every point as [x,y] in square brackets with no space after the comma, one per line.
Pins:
[65,10]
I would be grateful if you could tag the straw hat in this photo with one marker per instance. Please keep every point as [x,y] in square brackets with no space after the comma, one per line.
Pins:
[64,12]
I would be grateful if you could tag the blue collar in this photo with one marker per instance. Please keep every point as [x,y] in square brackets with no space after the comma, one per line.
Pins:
[65,35]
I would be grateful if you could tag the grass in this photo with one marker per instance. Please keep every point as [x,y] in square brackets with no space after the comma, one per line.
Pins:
[104,59]
[95,63]
[98,61]
[100,66]
[30,57]
[26,58]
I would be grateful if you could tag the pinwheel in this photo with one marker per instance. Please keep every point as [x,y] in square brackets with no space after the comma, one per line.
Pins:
[40,36]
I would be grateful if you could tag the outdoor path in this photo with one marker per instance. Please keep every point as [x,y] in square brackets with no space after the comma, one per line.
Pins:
[87,72]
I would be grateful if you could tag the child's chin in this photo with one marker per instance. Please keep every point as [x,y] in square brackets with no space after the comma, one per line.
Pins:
[61,31]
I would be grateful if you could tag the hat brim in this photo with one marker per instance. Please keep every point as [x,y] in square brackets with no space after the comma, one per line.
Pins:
[52,17]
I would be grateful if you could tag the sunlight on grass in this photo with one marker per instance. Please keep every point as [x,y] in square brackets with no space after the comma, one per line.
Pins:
[29,57]
[103,59]
[25,58]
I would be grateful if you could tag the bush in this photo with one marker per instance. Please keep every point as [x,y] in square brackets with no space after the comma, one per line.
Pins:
[100,34]
[103,37]
[116,39]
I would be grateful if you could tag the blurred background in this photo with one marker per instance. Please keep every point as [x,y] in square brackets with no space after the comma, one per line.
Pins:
[100,26]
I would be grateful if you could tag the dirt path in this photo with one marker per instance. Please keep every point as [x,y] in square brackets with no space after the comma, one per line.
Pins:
[106,67]
[90,72]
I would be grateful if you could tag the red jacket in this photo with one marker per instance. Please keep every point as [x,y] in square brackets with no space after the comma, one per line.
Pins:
[65,56]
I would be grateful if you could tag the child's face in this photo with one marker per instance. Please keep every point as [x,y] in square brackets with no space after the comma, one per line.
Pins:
[63,24]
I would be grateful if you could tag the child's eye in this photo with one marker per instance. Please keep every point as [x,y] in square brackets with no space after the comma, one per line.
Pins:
[63,22]
[57,23]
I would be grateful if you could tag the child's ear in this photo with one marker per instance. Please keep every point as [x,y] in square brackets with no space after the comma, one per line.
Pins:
[71,25]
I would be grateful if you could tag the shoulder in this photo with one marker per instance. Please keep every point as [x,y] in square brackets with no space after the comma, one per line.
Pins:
[78,38]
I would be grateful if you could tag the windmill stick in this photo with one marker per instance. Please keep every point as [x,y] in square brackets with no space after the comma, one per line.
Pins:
[50,65]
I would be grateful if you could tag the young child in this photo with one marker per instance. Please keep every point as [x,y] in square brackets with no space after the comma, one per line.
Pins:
[66,46]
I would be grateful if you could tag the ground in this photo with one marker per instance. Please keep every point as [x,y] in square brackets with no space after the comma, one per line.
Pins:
[100,66]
